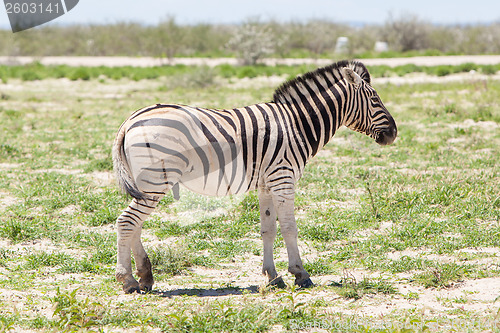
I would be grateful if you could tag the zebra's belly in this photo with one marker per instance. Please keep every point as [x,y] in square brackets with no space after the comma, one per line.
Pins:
[216,181]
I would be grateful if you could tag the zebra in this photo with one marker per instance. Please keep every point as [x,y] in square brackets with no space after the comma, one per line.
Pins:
[229,151]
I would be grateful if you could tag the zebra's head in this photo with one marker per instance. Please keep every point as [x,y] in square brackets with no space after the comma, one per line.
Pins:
[368,114]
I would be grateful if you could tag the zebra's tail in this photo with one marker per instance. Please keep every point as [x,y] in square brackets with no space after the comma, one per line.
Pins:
[122,168]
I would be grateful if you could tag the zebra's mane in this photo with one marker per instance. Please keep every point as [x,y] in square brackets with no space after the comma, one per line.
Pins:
[281,94]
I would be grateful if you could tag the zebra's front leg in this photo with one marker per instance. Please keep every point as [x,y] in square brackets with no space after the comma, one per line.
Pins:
[268,232]
[129,226]
[284,203]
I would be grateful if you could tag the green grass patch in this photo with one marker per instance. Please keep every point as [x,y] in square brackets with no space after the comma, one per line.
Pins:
[348,287]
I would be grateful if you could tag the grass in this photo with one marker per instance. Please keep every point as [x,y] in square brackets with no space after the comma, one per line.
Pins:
[423,214]
[202,76]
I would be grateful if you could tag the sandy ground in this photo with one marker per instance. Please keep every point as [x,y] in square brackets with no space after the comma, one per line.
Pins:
[150,61]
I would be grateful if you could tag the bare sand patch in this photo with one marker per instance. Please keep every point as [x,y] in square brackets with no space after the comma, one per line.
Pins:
[7,200]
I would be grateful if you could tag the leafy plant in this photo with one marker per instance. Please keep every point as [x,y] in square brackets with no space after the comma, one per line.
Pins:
[441,275]
[348,287]
[290,297]
[74,315]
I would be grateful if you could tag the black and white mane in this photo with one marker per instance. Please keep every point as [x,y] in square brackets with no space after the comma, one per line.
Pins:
[330,74]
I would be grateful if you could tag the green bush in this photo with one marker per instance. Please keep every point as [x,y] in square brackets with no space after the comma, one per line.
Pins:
[81,73]
[30,76]
[443,70]
[489,69]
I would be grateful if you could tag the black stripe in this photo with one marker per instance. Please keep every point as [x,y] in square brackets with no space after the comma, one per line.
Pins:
[136,210]
[295,136]
[144,205]
[162,149]
[326,111]
[313,114]
[244,143]
[267,136]
[302,119]
[153,192]
[218,113]
[279,178]
[217,149]
[279,184]
[164,170]
[279,137]
[147,109]
[157,184]
[342,105]
[122,219]
[292,142]
[279,168]
[177,125]
[283,188]
[254,136]
[130,216]
[122,222]
[232,145]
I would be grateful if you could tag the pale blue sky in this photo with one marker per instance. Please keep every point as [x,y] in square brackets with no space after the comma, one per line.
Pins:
[234,11]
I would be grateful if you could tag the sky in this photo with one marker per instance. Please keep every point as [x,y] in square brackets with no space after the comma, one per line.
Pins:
[237,11]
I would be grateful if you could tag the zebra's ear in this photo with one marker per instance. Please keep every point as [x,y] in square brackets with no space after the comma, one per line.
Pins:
[351,76]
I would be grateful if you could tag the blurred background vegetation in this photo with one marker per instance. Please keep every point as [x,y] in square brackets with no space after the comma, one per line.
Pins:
[405,36]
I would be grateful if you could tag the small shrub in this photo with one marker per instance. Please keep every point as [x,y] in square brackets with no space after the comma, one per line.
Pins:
[226,70]
[442,275]
[81,73]
[450,108]
[467,67]
[247,71]
[252,42]
[290,296]
[30,76]
[75,315]
[489,69]
[9,151]
[348,287]
[169,260]
[443,70]
[18,230]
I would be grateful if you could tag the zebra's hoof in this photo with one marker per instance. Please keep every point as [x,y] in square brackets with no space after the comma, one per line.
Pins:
[277,282]
[146,288]
[307,283]
[131,287]
[131,290]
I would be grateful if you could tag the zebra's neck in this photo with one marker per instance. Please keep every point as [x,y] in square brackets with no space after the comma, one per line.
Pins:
[315,118]
[318,102]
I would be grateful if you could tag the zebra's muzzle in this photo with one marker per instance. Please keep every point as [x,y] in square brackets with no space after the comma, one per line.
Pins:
[387,136]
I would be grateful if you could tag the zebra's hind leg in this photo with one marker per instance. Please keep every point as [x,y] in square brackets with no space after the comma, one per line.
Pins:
[129,226]
[268,232]
[142,262]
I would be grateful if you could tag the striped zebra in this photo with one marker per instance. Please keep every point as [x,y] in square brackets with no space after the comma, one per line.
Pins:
[221,152]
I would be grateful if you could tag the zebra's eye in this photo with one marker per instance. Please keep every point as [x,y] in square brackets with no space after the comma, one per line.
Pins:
[375,99]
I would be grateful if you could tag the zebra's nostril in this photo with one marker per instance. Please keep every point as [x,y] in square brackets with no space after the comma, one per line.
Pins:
[387,137]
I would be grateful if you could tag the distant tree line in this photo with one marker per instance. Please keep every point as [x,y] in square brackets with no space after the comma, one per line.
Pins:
[252,40]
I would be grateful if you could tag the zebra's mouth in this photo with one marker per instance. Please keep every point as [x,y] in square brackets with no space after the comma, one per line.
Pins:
[387,136]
